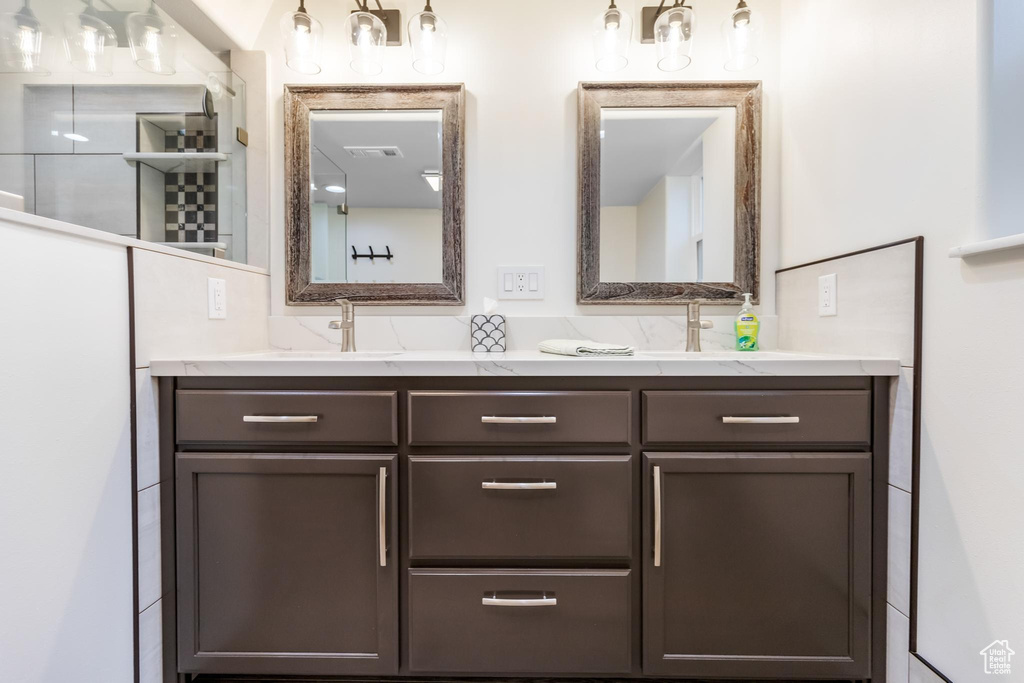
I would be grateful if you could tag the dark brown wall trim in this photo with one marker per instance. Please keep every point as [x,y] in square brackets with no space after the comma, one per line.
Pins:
[133,421]
[930,667]
[852,253]
[915,476]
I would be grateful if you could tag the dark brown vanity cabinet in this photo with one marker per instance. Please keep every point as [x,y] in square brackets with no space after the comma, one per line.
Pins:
[287,563]
[757,564]
[528,527]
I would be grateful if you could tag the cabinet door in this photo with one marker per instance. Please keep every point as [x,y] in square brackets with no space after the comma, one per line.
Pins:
[287,564]
[757,565]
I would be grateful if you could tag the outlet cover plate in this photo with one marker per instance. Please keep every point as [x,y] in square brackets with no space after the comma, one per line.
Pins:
[520,282]
[828,302]
[217,298]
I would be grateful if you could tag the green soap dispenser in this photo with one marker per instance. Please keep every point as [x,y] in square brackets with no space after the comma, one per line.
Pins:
[747,327]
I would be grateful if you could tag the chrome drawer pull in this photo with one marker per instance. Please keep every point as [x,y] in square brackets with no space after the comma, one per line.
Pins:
[657,515]
[503,420]
[780,420]
[279,418]
[519,485]
[521,602]
[382,516]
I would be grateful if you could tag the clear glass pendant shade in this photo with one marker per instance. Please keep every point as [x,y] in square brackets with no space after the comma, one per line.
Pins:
[303,42]
[613,29]
[89,42]
[673,37]
[154,41]
[741,32]
[368,36]
[22,41]
[428,36]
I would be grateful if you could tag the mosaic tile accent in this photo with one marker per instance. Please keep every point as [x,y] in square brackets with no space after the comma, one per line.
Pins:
[190,198]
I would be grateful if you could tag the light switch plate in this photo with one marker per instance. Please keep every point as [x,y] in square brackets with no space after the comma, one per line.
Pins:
[828,302]
[520,282]
[217,299]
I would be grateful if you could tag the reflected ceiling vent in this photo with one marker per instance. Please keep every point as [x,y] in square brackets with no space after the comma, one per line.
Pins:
[374,152]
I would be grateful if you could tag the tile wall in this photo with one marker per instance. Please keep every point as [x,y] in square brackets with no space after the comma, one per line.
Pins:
[876,294]
[171,318]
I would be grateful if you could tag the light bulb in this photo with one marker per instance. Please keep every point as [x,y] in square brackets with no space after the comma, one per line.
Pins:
[741,33]
[153,41]
[428,38]
[22,41]
[611,35]
[89,42]
[673,37]
[368,36]
[303,40]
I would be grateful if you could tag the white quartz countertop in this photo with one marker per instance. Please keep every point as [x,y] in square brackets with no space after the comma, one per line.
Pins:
[521,363]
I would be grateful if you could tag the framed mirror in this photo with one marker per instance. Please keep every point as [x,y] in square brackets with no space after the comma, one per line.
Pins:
[669,192]
[374,184]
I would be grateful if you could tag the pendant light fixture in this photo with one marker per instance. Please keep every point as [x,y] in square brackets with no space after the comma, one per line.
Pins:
[741,32]
[428,37]
[673,36]
[303,40]
[153,41]
[89,41]
[613,29]
[22,40]
[367,35]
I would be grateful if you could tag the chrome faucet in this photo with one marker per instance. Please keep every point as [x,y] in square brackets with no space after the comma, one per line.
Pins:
[347,325]
[694,325]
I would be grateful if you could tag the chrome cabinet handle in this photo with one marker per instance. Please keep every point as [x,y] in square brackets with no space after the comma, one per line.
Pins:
[657,516]
[279,418]
[503,420]
[382,516]
[519,485]
[521,602]
[779,420]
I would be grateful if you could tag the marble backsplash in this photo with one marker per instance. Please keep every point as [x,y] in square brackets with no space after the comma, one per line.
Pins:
[443,333]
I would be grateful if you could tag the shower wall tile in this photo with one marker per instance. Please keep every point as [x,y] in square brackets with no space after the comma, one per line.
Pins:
[94,191]
[17,177]
[46,109]
[106,113]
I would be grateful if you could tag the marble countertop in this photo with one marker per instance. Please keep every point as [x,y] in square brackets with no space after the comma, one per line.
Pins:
[521,363]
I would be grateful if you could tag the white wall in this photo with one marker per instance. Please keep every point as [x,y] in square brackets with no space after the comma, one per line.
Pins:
[881,141]
[521,79]
[65,460]
[618,243]
[651,228]
[414,236]
[720,199]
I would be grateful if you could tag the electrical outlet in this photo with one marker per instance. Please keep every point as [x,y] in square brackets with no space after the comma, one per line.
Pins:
[828,303]
[217,298]
[521,282]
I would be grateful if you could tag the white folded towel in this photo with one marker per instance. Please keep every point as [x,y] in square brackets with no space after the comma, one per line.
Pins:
[583,347]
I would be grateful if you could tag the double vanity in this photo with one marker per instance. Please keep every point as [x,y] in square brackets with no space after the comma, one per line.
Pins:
[715,515]
[445,514]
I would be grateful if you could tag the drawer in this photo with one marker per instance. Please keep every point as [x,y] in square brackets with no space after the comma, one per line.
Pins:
[512,507]
[519,622]
[771,418]
[518,417]
[287,417]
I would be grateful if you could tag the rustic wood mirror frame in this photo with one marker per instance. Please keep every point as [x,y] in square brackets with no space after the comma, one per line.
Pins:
[299,101]
[746,98]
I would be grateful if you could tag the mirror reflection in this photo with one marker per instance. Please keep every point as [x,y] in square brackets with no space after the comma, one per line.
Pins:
[375,196]
[668,181]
